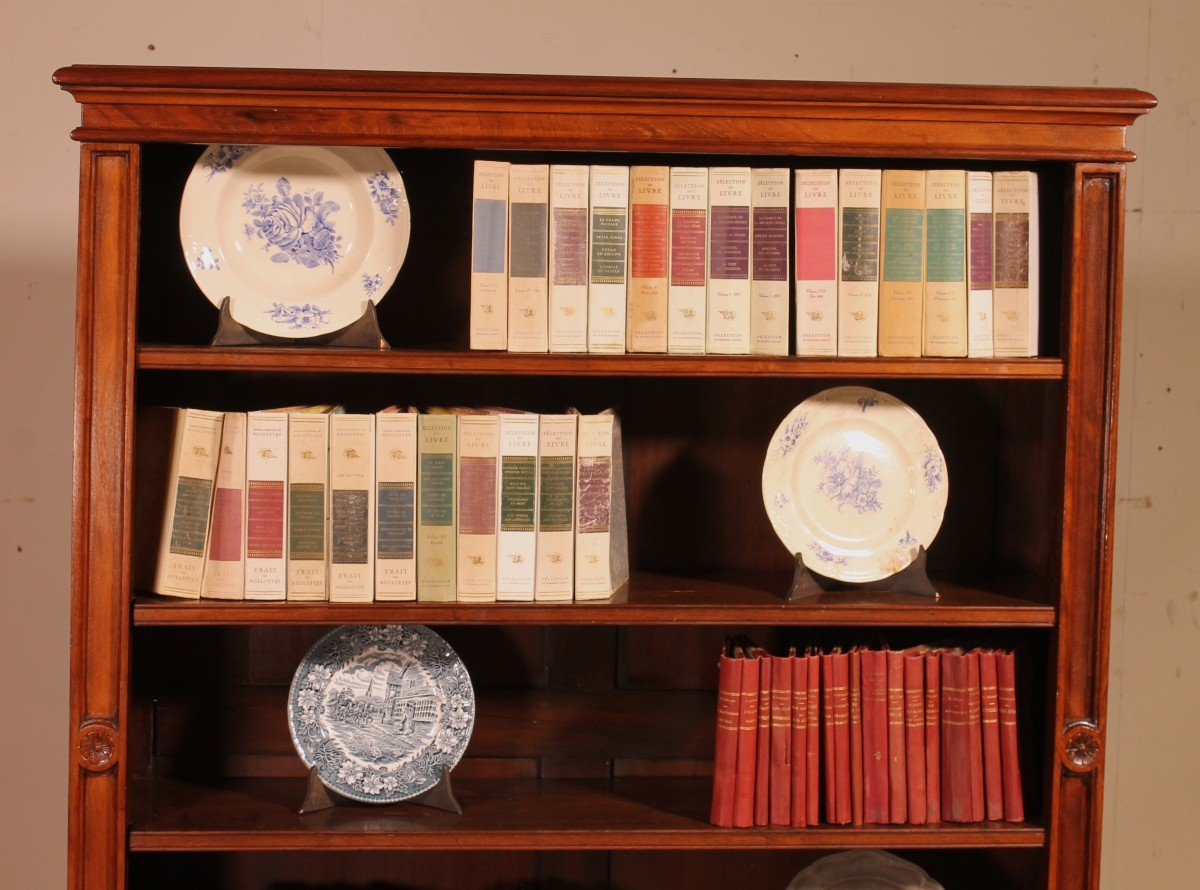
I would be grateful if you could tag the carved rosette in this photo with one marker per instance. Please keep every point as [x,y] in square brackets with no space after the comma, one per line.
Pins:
[1082,747]
[97,746]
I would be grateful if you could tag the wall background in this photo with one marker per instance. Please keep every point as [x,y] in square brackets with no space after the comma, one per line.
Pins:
[1153,772]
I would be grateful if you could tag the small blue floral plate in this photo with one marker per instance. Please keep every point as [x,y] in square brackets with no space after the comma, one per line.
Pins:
[380,709]
[298,237]
[854,482]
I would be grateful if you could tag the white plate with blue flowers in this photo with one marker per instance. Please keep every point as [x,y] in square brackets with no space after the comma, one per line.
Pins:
[298,237]
[854,482]
[380,709]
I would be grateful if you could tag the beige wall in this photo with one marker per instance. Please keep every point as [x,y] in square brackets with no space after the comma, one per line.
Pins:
[1153,772]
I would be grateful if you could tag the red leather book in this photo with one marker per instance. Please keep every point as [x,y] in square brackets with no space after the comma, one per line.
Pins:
[933,737]
[1014,802]
[956,743]
[762,759]
[747,745]
[812,783]
[729,687]
[975,735]
[897,759]
[780,797]
[856,737]
[989,697]
[875,740]
[914,733]
[841,733]
[799,789]
[827,737]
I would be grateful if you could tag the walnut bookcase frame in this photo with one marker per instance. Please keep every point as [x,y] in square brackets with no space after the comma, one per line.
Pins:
[1053,422]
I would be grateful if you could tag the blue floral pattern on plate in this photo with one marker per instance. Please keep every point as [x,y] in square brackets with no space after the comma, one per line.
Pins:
[298,227]
[933,466]
[867,401]
[299,317]
[371,283]
[791,435]
[847,479]
[385,195]
[823,554]
[221,158]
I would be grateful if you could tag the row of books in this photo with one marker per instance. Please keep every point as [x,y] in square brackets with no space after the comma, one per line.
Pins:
[314,504]
[909,736]
[694,260]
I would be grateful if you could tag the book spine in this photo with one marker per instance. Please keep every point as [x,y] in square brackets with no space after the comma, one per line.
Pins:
[516,540]
[781,741]
[813,754]
[555,579]
[747,745]
[946,263]
[933,737]
[351,508]
[901,279]
[975,736]
[980,271]
[770,261]
[1015,229]
[827,735]
[528,289]
[266,505]
[568,258]
[762,754]
[437,524]
[729,685]
[956,744]
[687,290]
[856,738]
[875,738]
[816,262]
[914,736]
[649,246]
[799,743]
[224,561]
[993,782]
[594,507]
[897,756]
[858,266]
[841,733]
[608,258]
[396,506]
[478,490]
[1014,802]
[728,324]
[308,508]
[489,256]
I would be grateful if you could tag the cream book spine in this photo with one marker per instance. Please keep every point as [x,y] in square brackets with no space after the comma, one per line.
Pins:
[225,555]
[351,508]
[266,505]
[308,527]
[858,262]
[568,317]
[687,291]
[902,272]
[489,256]
[516,540]
[649,233]
[946,263]
[770,266]
[816,262]
[728,323]
[593,507]
[528,242]
[437,524]
[478,490]
[980,270]
[608,258]
[555,579]
[395,506]
[1015,214]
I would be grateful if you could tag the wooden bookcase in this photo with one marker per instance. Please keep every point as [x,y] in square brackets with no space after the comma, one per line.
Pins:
[590,760]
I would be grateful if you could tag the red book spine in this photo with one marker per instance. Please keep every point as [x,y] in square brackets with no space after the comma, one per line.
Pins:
[781,741]
[827,734]
[875,751]
[897,759]
[975,735]
[1014,803]
[729,687]
[762,759]
[956,750]
[856,738]
[841,733]
[993,783]
[933,739]
[812,783]
[914,734]
[799,804]
[743,786]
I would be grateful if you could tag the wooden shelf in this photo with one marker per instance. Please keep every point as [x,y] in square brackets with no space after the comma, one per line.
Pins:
[649,599]
[428,361]
[623,814]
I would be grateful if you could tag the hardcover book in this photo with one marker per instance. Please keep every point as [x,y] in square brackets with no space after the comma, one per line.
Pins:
[224,560]
[858,263]
[770,266]
[799,743]
[933,736]
[601,539]
[1010,763]
[649,246]
[1015,297]
[478,489]
[516,540]
[856,737]
[308,507]
[489,256]
[781,741]
[747,743]
[914,734]
[897,758]
[437,520]
[813,755]
[875,737]
[555,579]
[901,280]
[728,325]
[729,687]
[351,508]
[687,292]
[993,781]
[528,242]
[762,754]
[266,508]
[608,258]
[975,735]
[956,739]
[395,505]
[840,662]
[816,262]
[946,263]
[568,317]
[980,246]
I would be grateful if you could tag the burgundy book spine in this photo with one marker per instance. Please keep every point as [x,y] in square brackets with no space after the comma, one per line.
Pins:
[812,783]
[1014,802]
[830,760]
[914,734]
[841,733]
[781,741]
[729,687]
[933,740]
[897,759]
[799,790]
[875,751]
[975,735]
[762,759]
[989,697]
[956,744]
[747,747]
[856,737]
